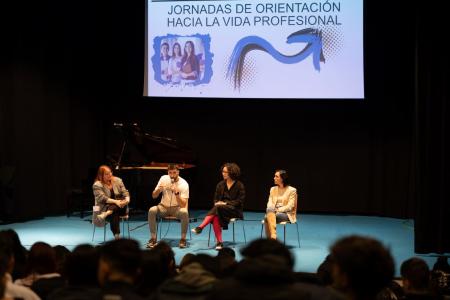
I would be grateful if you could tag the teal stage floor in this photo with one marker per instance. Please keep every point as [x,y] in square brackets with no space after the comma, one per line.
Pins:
[317,233]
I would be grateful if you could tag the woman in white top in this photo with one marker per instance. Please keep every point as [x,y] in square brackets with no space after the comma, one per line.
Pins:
[175,64]
[282,204]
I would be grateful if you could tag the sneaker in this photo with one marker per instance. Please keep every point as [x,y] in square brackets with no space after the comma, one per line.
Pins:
[151,243]
[182,243]
[219,246]
[102,216]
[197,230]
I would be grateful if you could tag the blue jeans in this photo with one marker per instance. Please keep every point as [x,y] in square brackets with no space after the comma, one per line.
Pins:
[281,217]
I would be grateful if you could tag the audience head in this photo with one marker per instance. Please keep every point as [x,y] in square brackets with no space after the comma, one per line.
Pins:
[167,257]
[226,262]
[14,239]
[6,245]
[440,276]
[81,265]
[207,262]
[324,271]
[230,170]
[441,264]
[41,259]
[260,247]
[226,252]
[61,253]
[186,260]
[5,265]
[153,273]
[415,274]
[119,259]
[362,266]
[6,261]
[20,253]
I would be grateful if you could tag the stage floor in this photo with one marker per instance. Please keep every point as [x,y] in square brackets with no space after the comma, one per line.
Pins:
[317,233]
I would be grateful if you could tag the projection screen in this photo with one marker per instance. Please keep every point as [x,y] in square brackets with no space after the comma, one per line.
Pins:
[254,49]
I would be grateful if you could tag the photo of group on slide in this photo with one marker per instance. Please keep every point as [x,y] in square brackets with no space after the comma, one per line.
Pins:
[181,60]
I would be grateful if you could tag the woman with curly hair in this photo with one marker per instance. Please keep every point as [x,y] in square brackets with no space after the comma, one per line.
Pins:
[228,202]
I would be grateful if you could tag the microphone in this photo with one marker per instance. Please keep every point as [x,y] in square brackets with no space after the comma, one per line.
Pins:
[172,182]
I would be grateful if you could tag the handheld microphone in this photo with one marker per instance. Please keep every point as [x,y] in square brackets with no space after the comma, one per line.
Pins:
[172,182]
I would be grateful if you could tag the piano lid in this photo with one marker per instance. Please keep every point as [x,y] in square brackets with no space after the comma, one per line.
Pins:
[144,151]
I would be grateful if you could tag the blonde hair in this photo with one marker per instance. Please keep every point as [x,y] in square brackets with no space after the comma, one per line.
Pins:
[101,173]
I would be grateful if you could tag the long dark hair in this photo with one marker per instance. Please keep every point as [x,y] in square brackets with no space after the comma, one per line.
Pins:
[173,50]
[191,58]
[192,46]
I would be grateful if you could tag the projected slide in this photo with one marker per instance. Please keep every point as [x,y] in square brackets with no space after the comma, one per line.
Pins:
[255,49]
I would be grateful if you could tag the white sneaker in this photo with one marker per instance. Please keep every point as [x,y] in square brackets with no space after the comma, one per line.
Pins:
[102,216]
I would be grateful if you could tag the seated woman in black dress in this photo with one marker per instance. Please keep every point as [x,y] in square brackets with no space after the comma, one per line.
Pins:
[228,202]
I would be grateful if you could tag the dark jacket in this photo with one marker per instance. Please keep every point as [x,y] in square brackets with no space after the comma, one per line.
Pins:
[234,199]
[193,283]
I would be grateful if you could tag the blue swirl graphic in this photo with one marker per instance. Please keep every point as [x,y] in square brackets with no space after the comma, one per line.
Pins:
[312,37]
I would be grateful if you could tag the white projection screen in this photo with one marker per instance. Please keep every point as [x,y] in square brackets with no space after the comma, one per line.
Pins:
[254,49]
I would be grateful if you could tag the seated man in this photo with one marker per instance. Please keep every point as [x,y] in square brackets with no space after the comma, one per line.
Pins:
[175,195]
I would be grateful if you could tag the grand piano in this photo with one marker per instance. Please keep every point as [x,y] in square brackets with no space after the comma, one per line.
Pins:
[143,158]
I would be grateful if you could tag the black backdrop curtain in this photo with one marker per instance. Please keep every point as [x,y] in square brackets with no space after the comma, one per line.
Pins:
[43,122]
[34,112]
[432,217]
